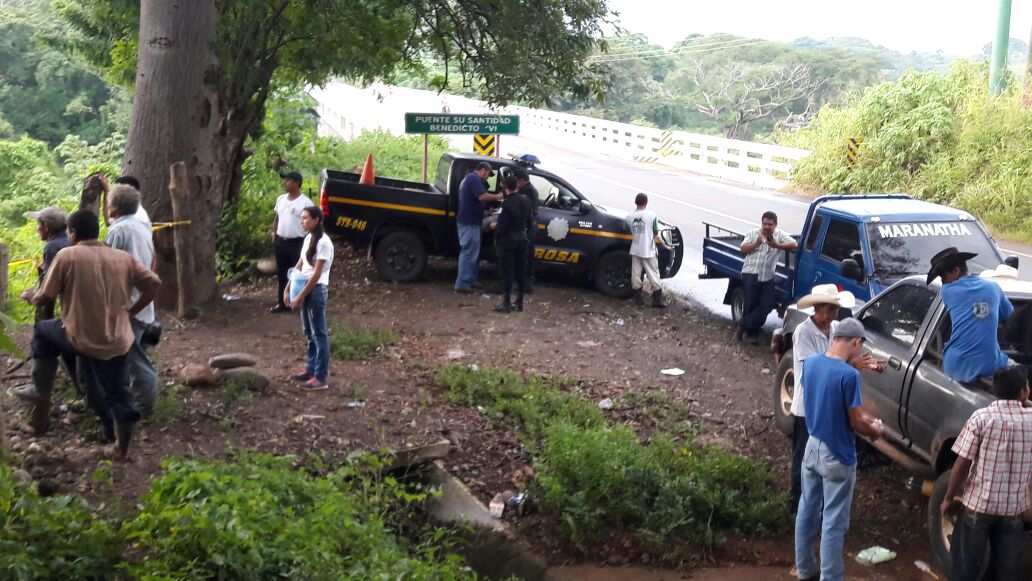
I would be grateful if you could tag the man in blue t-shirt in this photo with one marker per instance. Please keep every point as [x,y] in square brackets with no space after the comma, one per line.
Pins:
[976,307]
[831,397]
[472,197]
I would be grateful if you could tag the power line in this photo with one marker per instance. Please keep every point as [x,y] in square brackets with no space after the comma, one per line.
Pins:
[642,51]
[680,53]
[664,52]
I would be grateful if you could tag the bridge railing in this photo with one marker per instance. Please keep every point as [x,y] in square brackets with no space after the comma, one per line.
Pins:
[346,111]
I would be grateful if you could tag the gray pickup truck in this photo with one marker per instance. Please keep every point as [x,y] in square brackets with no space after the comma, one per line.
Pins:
[923,410]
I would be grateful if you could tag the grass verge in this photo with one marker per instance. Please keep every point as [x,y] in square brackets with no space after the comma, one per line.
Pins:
[599,478]
[356,344]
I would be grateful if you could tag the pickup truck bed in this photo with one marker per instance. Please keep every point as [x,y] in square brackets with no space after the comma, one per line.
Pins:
[722,258]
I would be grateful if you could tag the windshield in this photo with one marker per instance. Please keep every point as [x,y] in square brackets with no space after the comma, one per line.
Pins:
[903,249]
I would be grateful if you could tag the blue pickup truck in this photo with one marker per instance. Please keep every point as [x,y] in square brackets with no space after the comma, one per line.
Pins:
[862,243]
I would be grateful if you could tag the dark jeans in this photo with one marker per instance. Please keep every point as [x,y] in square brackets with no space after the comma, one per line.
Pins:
[288,252]
[531,247]
[799,437]
[514,266]
[759,301]
[1005,535]
[50,341]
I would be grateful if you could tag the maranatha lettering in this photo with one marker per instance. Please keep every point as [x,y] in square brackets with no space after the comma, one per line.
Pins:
[926,229]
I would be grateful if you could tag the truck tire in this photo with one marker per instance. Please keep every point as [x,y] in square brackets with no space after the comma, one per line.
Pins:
[940,530]
[611,275]
[400,257]
[784,387]
[737,304]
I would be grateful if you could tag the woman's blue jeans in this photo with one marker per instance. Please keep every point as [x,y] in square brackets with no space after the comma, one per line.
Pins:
[313,321]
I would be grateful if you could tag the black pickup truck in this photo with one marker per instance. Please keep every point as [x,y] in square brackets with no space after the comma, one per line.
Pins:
[401,223]
[923,410]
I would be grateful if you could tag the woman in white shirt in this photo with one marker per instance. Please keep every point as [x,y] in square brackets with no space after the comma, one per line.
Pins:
[315,261]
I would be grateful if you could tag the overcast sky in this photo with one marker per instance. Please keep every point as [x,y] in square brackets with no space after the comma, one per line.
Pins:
[959,27]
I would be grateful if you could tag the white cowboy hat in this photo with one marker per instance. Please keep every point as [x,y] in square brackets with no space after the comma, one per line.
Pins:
[1002,271]
[827,294]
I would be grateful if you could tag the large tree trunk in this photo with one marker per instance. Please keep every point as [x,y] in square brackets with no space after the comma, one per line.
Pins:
[177,117]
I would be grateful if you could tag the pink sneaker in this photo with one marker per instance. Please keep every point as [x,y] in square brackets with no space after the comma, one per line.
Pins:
[314,384]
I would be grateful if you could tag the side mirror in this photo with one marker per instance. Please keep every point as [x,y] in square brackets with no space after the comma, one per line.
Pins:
[586,207]
[1011,261]
[851,269]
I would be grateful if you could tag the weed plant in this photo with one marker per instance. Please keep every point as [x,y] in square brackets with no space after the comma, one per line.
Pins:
[55,537]
[258,518]
[599,478]
[355,344]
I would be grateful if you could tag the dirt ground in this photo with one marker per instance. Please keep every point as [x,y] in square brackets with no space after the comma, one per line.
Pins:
[615,347]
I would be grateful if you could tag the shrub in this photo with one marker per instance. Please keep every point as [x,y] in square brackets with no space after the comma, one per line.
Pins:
[939,138]
[598,477]
[258,518]
[56,537]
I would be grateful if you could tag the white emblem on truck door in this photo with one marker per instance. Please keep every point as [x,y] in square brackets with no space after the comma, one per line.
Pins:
[558,228]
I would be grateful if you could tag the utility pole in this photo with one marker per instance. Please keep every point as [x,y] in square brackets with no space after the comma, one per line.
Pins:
[998,66]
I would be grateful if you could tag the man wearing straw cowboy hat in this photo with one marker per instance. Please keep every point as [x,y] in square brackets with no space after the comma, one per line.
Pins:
[976,306]
[811,337]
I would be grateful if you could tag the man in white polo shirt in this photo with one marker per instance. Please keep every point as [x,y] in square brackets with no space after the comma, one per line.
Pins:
[288,236]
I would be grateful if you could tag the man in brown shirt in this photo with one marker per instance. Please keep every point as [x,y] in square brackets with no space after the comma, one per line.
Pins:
[95,284]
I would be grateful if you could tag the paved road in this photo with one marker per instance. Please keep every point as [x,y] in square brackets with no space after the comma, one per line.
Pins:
[683,199]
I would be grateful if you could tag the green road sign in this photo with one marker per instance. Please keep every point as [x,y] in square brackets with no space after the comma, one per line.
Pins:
[442,123]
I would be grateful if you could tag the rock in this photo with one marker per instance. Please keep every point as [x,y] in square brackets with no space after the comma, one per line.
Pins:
[254,378]
[233,361]
[266,266]
[198,375]
[22,475]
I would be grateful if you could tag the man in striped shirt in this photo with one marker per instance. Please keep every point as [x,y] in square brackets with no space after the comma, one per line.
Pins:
[761,247]
[990,481]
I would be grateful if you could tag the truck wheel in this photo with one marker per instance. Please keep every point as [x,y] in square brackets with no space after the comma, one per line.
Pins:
[784,388]
[737,305]
[612,274]
[400,257]
[940,530]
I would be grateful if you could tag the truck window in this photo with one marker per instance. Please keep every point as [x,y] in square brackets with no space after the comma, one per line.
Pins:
[442,174]
[815,230]
[898,314]
[842,241]
[554,195]
[902,249]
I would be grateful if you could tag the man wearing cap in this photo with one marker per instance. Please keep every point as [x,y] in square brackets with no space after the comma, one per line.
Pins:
[976,306]
[95,283]
[472,197]
[51,224]
[288,236]
[809,338]
[761,247]
[523,186]
[831,397]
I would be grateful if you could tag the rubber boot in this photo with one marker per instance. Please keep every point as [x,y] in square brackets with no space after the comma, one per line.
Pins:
[639,298]
[657,300]
[123,438]
[44,371]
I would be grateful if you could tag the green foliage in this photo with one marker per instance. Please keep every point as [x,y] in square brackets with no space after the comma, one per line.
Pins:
[43,92]
[168,404]
[29,178]
[57,537]
[600,477]
[258,518]
[289,142]
[26,250]
[939,138]
[356,344]
[7,345]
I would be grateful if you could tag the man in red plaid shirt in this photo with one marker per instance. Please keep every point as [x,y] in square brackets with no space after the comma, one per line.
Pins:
[993,468]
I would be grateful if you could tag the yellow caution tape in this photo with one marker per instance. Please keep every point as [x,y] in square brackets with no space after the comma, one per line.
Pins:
[20,262]
[162,225]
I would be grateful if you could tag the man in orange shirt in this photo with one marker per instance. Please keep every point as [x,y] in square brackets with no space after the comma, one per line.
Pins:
[95,283]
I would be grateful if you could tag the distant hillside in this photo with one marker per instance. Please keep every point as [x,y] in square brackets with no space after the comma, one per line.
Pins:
[899,62]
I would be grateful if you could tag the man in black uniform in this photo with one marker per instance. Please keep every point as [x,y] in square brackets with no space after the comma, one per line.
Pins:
[511,234]
[523,186]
